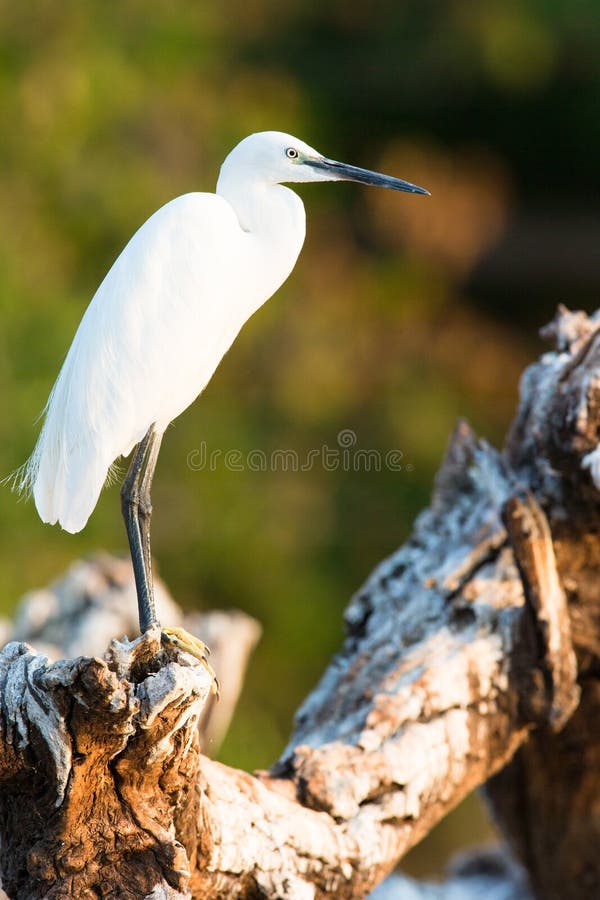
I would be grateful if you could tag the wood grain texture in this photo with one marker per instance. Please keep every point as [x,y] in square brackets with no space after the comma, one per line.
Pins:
[98,763]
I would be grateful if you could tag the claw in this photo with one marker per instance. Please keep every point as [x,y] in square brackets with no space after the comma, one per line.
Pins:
[193,645]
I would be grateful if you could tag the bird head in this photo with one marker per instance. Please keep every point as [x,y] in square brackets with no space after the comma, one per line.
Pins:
[278,158]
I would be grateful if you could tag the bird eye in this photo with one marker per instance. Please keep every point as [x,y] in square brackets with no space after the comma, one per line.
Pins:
[291,153]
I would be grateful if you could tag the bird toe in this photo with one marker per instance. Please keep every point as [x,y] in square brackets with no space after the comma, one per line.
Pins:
[187,642]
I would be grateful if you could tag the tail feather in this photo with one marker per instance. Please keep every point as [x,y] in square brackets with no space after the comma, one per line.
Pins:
[68,492]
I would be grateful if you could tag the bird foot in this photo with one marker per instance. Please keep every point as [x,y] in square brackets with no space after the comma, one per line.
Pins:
[193,645]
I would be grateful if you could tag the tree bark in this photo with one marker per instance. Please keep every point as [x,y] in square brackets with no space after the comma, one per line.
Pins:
[466,655]
[548,799]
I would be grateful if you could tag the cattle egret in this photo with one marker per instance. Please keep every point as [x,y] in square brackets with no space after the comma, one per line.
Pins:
[158,326]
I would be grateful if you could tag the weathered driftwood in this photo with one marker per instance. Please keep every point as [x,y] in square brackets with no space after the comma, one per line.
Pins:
[98,763]
[80,613]
[460,663]
[548,798]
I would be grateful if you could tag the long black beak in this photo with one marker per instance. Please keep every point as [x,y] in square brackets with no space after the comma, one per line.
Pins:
[345,172]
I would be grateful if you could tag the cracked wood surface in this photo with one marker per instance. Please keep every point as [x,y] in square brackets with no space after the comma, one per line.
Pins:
[458,665]
[98,763]
[95,601]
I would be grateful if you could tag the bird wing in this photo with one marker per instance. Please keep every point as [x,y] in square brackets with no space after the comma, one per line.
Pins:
[146,346]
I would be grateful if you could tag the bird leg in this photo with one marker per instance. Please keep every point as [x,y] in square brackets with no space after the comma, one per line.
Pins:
[140,548]
[136,505]
[145,504]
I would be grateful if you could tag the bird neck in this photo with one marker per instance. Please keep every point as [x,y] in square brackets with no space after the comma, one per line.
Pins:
[271,211]
[272,226]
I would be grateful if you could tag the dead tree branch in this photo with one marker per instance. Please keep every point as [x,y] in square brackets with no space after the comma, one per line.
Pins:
[466,653]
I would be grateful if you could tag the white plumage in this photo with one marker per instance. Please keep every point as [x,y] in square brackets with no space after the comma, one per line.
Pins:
[167,311]
[154,333]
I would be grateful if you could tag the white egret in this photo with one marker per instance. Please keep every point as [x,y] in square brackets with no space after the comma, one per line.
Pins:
[160,323]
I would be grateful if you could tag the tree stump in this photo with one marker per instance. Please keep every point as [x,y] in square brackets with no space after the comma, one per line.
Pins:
[99,763]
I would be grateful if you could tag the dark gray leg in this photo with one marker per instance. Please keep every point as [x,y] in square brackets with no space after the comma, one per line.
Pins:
[130,506]
[145,507]
[137,512]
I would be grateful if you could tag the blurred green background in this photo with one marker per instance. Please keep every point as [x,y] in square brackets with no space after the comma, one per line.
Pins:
[401,315]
